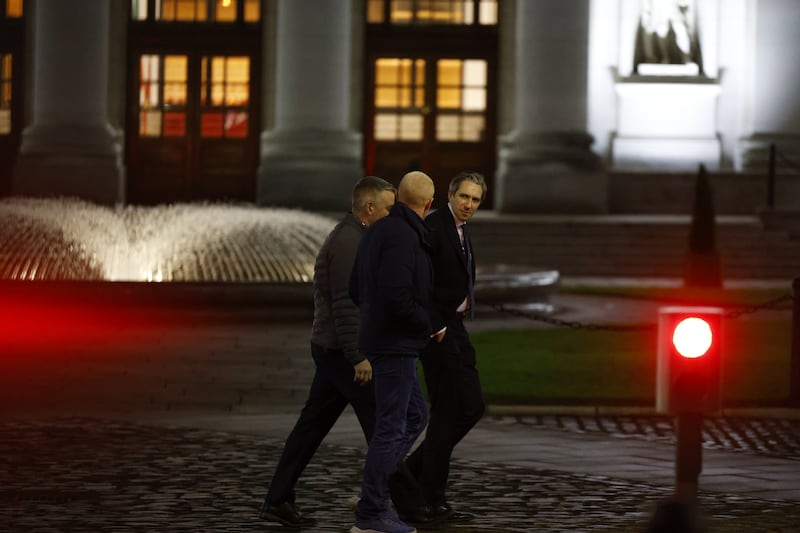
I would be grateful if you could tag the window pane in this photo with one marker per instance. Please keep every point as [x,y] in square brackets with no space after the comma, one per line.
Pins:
[5,121]
[401,11]
[175,80]
[459,12]
[252,10]
[5,94]
[237,74]
[139,9]
[472,128]
[167,11]
[188,10]
[411,127]
[475,72]
[487,12]
[386,72]
[447,128]
[148,81]
[474,100]
[150,123]
[211,125]
[375,11]
[236,124]
[386,97]
[448,98]
[449,71]
[174,124]
[225,10]
[386,126]
[13,8]
[420,71]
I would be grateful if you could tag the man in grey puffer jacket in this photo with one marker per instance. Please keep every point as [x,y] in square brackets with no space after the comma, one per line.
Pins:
[343,375]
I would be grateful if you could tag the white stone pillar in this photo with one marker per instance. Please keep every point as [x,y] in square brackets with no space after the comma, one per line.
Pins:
[770,108]
[70,149]
[546,163]
[312,157]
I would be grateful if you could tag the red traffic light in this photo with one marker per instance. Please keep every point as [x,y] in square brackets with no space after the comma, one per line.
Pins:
[692,337]
[689,359]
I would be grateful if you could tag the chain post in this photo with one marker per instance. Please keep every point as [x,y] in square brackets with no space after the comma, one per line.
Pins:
[794,372]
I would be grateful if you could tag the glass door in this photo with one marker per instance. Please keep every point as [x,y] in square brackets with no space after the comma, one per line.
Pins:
[193,126]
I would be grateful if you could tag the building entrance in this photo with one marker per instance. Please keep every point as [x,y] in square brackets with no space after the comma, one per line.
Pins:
[193,91]
[431,91]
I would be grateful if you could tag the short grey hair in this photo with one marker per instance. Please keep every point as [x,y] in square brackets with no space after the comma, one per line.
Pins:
[367,189]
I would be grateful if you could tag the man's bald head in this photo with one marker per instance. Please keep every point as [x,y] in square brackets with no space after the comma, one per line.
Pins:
[416,191]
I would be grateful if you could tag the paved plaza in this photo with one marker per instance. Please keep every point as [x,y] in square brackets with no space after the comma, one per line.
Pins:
[175,423]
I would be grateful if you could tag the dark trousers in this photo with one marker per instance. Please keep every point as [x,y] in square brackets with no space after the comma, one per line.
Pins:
[401,414]
[456,405]
[332,389]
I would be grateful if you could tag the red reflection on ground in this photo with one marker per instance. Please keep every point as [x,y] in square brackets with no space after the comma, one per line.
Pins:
[41,324]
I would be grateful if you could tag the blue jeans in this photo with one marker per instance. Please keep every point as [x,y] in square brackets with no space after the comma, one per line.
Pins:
[332,389]
[400,417]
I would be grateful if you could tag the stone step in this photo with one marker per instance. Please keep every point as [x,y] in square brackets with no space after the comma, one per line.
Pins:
[637,246]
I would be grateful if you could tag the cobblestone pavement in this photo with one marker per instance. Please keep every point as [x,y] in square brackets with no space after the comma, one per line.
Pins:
[86,474]
[170,428]
[762,436]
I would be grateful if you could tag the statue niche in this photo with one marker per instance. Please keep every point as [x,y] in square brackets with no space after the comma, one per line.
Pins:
[667,35]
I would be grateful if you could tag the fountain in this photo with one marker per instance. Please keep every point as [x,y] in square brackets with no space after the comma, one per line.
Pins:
[242,251]
[65,239]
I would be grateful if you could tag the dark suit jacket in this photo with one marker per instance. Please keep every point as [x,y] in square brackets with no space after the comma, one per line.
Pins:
[450,274]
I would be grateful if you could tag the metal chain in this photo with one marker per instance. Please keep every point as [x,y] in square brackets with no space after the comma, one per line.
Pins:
[769,304]
[575,324]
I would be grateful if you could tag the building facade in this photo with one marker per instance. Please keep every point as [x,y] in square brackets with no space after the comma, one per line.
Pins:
[576,106]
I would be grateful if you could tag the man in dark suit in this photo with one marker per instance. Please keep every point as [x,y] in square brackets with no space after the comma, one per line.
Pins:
[456,402]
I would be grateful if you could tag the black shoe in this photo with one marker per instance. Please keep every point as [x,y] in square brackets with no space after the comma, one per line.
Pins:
[459,516]
[285,513]
[427,515]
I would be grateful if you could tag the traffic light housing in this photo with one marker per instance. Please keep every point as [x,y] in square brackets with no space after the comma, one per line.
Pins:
[689,360]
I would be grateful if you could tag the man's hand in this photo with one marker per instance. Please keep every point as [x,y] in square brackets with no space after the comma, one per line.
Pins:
[363,372]
[440,336]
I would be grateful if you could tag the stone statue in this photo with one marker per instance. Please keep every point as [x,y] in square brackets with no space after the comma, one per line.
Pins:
[667,34]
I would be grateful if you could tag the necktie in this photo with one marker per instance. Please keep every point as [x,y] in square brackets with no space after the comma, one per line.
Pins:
[471,282]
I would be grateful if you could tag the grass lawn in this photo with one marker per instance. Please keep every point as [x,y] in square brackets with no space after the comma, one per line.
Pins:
[574,366]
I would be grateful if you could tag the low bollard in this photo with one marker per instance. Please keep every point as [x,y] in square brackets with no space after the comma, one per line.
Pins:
[794,372]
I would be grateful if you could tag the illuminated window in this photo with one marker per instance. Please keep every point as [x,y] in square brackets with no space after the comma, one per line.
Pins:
[14,8]
[5,94]
[162,95]
[224,96]
[457,12]
[224,11]
[461,99]
[399,99]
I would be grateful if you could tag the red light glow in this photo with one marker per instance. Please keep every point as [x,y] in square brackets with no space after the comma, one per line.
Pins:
[692,337]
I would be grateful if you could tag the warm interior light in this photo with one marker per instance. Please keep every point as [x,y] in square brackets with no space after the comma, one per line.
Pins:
[226,3]
[692,337]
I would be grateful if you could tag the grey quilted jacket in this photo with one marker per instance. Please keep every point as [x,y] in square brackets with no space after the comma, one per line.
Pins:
[335,324]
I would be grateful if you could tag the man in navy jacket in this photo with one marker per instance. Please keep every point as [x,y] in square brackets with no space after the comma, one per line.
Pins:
[391,285]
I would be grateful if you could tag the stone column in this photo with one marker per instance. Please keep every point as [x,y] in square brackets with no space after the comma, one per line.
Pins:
[70,149]
[546,163]
[311,158]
